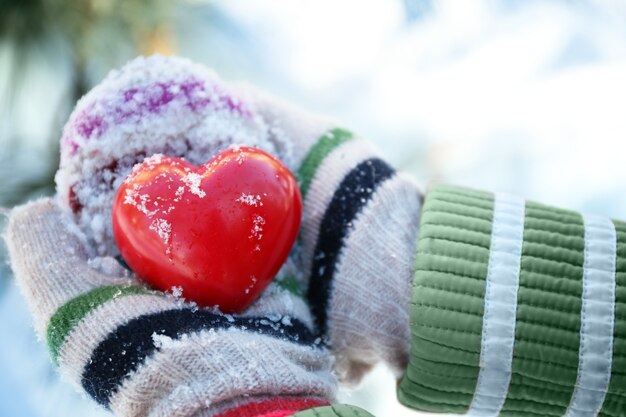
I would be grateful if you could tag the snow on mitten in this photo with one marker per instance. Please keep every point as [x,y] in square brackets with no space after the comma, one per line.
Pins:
[144,353]
[150,106]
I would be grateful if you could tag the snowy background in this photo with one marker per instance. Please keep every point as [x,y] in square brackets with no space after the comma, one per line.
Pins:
[519,96]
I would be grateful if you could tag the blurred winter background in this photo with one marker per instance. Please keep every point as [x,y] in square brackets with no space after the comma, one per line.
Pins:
[519,96]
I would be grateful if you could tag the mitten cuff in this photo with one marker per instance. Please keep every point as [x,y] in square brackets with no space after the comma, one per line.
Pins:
[517,308]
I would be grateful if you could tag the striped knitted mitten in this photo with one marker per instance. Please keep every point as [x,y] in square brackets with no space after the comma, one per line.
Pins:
[358,238]
[360,218]
[357,241]
[143,353]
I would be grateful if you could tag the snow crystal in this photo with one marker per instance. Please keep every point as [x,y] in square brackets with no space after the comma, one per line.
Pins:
[193,180]
[274,317]
[153,160]
[250,200]
[257,227]
[176,291]
[252,285]
[163,229]
[241,156]
[161,341]
[139,201]
[107,266]
[97,224]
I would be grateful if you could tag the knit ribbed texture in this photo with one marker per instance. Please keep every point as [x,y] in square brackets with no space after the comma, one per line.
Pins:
[139,353]
[329,174]
[351,196]
[450,272]
[320,150]
[73,311]
[334,411]
[614,405]
[448,306]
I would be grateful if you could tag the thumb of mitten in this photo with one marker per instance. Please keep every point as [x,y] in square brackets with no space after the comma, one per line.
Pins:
[50,259]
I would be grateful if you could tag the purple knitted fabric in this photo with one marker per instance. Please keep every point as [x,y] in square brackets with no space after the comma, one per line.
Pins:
[152,105]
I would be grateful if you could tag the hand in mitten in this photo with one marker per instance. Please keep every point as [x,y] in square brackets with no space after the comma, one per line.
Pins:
[133,350]
[360,217]
[359,233]
[357,242]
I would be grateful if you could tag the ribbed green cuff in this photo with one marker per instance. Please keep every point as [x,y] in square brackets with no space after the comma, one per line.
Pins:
[334,411]
[564,281]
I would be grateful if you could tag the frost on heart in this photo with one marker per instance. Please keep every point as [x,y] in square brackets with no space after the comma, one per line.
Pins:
[241,156]
[139,201]
[163,228]
[152,161]
[253,282]
[257,227]
[250,200]
[193,180]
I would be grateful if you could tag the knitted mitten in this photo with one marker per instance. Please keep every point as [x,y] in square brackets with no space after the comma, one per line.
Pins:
[360,218]
[143,353]
[357,241]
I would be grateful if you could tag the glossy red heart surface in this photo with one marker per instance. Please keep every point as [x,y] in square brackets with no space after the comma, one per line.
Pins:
[216,234]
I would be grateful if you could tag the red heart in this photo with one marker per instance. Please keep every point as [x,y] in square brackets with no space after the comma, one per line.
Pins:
[220,232]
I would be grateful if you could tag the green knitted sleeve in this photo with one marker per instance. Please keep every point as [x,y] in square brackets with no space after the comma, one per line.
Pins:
[518,309]
[334,411]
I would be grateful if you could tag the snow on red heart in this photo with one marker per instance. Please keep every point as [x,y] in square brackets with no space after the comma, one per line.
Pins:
[219,232]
